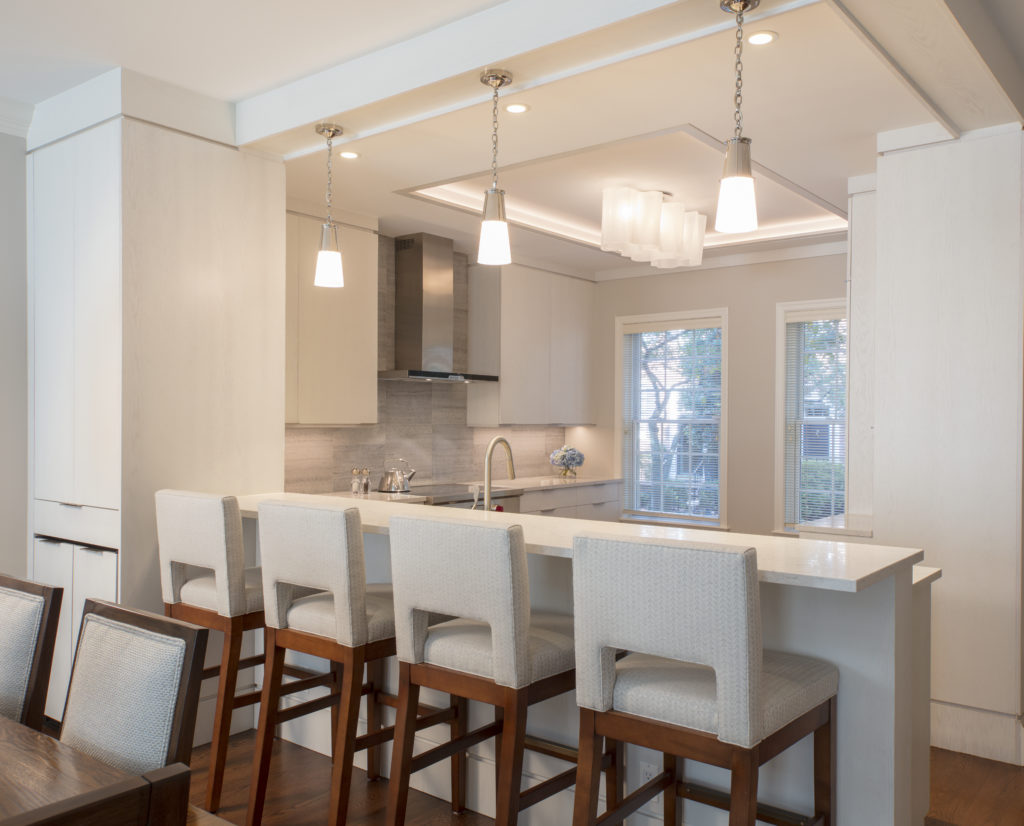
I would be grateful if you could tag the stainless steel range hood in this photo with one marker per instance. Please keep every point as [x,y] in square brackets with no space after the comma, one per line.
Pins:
[425,312]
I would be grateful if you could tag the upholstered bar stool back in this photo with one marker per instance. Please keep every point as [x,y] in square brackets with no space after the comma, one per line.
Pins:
[697,681]
[495,651]
[28,632]
[205,581]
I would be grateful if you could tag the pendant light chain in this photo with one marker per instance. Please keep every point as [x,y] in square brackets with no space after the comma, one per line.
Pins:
[329,177]
[494,140]
[739,74]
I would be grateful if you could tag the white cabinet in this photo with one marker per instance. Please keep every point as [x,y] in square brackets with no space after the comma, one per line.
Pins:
[543,355]
[76,313]
[331,334]
[83,572]
[601,501]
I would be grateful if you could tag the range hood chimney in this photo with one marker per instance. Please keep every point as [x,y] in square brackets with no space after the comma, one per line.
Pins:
[425,311]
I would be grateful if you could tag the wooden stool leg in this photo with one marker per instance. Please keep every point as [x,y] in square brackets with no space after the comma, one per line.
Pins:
[375,677]
[345,737]
[499,716]
[615,774]
[588,771]
[401,753]
[337,672]
[673,810]
[825,768]
[273,671]
[222,716]
[459,726]
[513,735]
[743,791]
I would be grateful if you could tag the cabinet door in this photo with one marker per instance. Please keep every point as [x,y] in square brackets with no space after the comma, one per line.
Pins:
[331,335]
[525,346]
[97,324]
[52,564]
[52,266]
[569,386]
[95,578]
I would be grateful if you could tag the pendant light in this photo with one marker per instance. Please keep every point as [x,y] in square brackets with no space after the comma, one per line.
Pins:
[328,261]
[737,207]
[494,245]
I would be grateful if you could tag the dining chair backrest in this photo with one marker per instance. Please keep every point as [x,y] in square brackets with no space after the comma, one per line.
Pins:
[692,602]
[476,572]
[319,547]
[202,530]
[134,688]
[31,614]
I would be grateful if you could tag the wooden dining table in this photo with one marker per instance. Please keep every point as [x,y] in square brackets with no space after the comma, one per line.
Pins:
[44,781]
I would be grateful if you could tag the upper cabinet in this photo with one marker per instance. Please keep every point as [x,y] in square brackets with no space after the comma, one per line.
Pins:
[331,334]
[532,328]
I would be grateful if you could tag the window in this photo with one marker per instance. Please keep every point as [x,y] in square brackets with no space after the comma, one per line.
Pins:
[813,394]
[672,405]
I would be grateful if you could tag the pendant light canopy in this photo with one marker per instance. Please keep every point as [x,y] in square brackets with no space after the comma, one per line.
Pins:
[737,207]
[329,272]
[494,245]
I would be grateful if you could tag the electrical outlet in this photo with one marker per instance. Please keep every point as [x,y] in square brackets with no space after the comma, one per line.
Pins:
[648,771]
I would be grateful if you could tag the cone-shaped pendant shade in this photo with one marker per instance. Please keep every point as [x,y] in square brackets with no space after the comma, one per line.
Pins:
[494,244]
[737,207]
[328,261]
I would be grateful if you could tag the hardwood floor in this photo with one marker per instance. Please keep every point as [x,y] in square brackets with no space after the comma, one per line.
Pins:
[966,791]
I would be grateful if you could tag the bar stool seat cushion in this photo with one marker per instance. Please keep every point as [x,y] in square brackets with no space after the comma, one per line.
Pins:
[684,693]
[314,614]
[201,591]
[465,645]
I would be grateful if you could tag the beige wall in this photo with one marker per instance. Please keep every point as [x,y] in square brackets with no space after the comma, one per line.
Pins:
[750,294]
[13,364]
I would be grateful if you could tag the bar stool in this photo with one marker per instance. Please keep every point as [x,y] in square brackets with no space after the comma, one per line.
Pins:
[495,652]
[202,530]
[697,683]
[346,621]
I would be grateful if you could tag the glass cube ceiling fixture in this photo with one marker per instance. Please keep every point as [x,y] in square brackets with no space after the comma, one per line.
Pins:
[639,226]
[494,244]
[737,207]
[328,261]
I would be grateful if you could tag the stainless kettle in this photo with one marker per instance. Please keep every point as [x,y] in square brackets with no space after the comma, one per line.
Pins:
[396,480]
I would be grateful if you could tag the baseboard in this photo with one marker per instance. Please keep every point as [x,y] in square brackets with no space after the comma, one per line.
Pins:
[978,732]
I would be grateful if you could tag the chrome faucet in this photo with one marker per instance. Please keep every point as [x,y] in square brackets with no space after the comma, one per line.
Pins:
[488,456]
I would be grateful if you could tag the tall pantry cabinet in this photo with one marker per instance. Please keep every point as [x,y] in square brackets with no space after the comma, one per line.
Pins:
[156,296]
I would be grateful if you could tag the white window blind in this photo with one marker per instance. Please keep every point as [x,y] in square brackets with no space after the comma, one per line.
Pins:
[672,414]
[815,411]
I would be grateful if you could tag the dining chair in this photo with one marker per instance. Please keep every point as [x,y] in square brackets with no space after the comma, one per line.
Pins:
[696,684]
[318,603]
[134,688]
[205,582]
[496,651]
[31,614]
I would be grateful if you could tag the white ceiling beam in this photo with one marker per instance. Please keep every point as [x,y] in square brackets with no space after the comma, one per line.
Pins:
[471,43]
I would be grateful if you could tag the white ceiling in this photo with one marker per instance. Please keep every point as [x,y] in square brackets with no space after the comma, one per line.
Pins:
[642,99]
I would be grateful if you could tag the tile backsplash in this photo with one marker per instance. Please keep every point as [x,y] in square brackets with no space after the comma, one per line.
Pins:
[423,423]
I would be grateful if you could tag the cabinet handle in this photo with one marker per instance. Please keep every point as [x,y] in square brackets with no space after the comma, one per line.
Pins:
[92,550]
[70,505]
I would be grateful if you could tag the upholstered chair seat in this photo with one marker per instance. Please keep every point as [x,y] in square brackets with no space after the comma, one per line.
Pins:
[202,591]
[684,693]
[315,614]
[465,645]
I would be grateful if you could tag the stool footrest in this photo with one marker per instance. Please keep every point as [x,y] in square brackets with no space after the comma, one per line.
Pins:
[325,679]
[551,749]
[248,662]
[634,801]
[285,714]
[542,791]
[428,758]
[720,800]
[375,738]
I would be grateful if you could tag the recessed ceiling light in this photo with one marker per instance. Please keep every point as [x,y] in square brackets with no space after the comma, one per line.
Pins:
[762,38]
[348,155]
[516,108]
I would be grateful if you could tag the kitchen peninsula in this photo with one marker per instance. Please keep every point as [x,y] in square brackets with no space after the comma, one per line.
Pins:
[857,606]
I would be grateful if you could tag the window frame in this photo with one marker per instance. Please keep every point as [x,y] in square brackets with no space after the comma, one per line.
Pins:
[787,312]
[712,317]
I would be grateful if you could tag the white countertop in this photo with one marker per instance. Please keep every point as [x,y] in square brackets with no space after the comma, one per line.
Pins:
[531,483]
[842,524]
[834,566]
[376,496]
